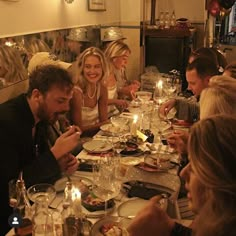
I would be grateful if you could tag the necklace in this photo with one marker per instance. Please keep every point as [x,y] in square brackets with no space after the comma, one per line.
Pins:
[94,93]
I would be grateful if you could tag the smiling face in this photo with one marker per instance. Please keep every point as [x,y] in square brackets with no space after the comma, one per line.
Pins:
[92,69]
[196,190]
[195,83]
[121,61]
[53,103]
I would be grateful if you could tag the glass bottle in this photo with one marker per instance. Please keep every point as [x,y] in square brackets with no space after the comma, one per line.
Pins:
[71,223]
[167,20]
[42,219]
[23,209]
[173,20]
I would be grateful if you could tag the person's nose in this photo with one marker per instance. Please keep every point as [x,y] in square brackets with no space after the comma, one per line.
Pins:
[185,172]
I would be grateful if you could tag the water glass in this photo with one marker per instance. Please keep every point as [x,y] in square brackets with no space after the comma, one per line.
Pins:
[12,192]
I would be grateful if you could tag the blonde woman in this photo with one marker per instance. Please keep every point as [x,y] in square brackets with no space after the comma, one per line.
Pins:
[210,181]
[117,54]
[12,69]
[89,102]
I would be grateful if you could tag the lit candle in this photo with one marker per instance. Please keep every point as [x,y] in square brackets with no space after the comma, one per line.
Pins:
[76,197]
[133,128]
[160,87]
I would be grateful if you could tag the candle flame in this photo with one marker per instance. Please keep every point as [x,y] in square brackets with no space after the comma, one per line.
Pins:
[76,194]
[135,118]
[160,84]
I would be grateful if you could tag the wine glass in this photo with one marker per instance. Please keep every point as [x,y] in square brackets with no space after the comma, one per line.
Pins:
[107,185]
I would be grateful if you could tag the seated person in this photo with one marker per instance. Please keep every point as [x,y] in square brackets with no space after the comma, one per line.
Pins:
[210,181]
[117,54]
[219,97]
[198,74]
[230,70]
[24,124]
[89,102]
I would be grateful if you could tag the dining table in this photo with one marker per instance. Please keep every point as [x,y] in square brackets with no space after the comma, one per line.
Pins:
[164,180]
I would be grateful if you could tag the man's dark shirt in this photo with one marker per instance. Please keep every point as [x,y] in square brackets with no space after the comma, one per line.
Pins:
[19,151]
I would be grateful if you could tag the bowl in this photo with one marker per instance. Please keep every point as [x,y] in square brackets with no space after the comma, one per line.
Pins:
[119,121]
[42,189]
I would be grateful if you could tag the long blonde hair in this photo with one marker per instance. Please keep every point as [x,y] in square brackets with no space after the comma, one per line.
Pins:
[11,61]
[212,153]
[218,97]
[92,51]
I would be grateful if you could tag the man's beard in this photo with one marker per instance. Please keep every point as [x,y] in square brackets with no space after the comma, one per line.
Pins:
[43,114]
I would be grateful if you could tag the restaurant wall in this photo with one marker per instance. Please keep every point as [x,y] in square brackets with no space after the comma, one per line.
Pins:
[31,16]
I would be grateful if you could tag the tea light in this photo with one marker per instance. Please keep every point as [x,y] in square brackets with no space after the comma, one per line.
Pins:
[133,128]
[76,197]
[160,88]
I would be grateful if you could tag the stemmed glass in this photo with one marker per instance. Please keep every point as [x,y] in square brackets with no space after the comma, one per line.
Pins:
[107,185]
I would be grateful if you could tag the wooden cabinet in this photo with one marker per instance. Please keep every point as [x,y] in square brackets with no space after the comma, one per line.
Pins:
[167,49]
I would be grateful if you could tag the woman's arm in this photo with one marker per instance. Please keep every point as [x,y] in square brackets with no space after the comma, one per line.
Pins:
[76,108]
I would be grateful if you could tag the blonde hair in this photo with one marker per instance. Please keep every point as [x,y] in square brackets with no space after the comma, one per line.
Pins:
[11,61]
[116,49]
[212,153]
[218,97]
[92,51]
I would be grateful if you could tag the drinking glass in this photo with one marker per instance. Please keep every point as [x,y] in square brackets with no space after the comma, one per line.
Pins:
[107,185]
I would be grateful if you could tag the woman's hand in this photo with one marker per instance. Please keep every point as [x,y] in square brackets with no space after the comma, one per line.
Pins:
[151,220]
[178,140]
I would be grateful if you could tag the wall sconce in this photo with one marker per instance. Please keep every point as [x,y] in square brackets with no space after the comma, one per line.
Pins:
[69,1]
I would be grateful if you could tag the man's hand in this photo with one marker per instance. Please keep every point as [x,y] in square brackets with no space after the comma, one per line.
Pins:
[166,107]
[68,164]
[66,142]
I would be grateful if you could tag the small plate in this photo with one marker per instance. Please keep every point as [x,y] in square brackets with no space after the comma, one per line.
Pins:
[123,223]
[109,128]
[162,165]
[130,161]
[97,146]
[80,182]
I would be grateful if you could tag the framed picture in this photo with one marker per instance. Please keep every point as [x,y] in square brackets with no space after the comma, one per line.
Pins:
[96,5]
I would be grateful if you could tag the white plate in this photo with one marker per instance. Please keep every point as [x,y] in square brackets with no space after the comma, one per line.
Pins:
[109,220]
[109,128]
[131,161]
[131,207]
[97,146]
[76,180]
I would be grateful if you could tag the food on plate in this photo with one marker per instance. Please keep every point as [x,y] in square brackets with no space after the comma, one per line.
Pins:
[114,129]
[92,203]
[113,229]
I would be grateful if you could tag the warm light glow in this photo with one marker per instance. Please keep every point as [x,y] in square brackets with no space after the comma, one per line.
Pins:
[135,119]
[160,84]
[76,194]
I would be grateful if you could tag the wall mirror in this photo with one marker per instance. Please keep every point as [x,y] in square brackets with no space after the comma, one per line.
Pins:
[55,41]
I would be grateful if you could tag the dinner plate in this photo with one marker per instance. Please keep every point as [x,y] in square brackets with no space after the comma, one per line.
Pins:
[109,128]
[131,207]
[123,223]
[76,180]
[97,146]
[131,161]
